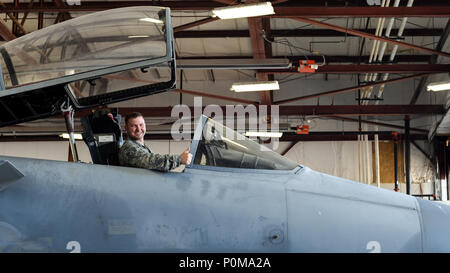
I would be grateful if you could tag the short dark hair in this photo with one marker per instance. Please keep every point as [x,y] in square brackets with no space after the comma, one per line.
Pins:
[132,116]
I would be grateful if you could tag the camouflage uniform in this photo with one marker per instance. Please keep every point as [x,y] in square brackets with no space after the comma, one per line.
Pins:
[135,154]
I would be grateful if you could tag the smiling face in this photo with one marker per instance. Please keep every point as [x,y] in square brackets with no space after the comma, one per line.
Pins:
[135,128]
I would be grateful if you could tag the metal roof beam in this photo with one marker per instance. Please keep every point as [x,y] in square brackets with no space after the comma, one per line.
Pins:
[370,36]
[283,10]
[318,58]
[180,34]
[64,15]
[5,33]
[360,110]
[433,59]
[377,123]
[203,94]
[194,24]
[348,89]
[102,5]
[372,68]
[321,12]
[355,3]
[227,2]
[16,22]
[307,110]
[312,136]
[261,50]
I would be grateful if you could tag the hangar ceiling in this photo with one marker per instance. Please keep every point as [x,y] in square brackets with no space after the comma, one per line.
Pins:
[371,49]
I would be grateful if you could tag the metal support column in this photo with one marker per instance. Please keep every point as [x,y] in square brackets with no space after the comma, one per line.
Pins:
[407,156]
[396,188]
[442,175]
[447,162]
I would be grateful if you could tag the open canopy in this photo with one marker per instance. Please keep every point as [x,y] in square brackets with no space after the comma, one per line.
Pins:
[77,60]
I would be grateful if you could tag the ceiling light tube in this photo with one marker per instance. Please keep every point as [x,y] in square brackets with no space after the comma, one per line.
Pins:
[439,86]
[137,36]
[151,20]
[244,10]
[66,136]
[263,134]
[255,86]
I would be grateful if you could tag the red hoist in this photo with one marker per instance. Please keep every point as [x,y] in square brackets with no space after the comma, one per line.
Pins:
[307,66]
[302,129]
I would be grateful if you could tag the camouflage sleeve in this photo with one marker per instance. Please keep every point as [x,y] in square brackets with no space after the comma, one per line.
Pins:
[133,157]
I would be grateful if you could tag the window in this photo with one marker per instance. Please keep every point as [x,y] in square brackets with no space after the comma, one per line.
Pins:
[221,146]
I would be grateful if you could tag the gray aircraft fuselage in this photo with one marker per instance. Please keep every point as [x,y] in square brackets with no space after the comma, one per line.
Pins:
[79,207]
[52,206]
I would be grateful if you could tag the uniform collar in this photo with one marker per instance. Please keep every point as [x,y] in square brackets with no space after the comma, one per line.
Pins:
[137,142]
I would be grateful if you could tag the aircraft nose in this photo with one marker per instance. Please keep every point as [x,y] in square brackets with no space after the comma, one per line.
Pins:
[436,226]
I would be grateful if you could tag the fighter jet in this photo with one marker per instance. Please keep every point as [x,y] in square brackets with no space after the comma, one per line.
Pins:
[235,196]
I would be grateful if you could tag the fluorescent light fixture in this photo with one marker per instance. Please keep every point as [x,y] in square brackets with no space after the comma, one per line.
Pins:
[66,136]
[69,72]
[439,86]
[137,36]
[245,10]
[263,134]
[255,86]
[151,20]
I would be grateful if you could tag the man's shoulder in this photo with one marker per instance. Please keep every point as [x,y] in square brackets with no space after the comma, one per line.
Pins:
[129,144]
[132,145]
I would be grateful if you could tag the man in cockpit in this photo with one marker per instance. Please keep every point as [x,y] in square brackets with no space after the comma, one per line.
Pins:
[134,152]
